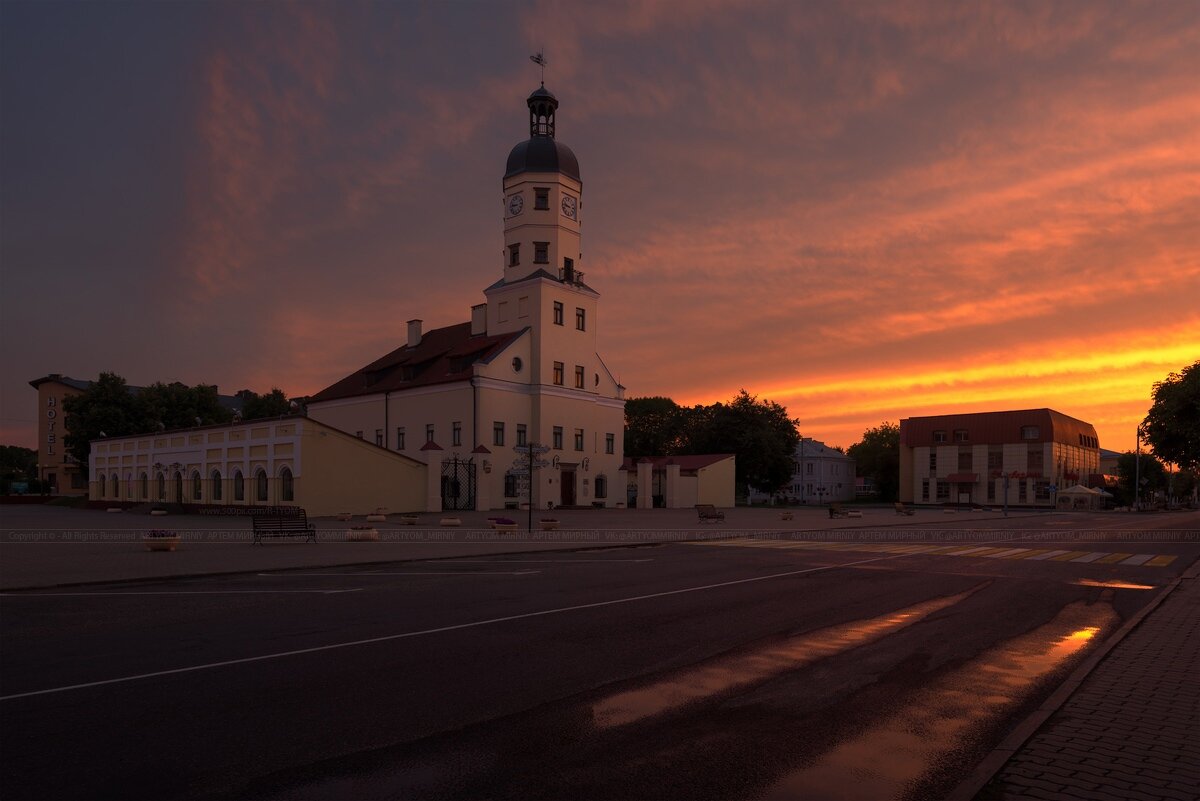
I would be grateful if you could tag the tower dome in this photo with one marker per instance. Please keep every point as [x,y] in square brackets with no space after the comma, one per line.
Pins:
[541,152]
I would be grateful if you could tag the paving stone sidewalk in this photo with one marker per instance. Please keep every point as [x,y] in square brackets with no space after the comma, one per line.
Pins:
[1132,728]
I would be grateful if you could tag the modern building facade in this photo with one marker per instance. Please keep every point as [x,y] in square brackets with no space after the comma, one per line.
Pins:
[524,371]
[1021,458]
[288,461]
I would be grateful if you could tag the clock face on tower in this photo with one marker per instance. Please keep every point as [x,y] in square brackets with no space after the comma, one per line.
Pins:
[515,204]
[569,207]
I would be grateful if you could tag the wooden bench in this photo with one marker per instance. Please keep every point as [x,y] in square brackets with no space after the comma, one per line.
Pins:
[836,510]
[284,522]
[901,509]
[709,513]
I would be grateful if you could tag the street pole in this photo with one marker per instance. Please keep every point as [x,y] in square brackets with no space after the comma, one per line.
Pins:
[1137,472]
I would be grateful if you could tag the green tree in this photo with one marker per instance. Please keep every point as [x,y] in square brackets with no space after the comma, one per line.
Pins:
[16,464]
[759,433]
[273,404]
[654,426]
[1149,471]
[877,456]
[1173,425]
[108,407]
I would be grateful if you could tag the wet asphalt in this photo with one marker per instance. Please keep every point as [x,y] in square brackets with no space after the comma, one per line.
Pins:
[675,671]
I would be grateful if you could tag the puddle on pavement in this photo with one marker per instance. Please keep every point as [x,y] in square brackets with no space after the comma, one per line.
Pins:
[744,669]
[884,761]
[1113,585]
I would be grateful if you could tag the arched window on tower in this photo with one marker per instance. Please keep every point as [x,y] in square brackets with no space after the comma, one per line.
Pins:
[239,486]
[215,492]
[260,483]
[287,487]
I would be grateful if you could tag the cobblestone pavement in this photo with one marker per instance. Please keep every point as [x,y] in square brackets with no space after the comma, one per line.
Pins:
[1132,729]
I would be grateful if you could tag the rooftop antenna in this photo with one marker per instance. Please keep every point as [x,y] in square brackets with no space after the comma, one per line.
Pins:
[540,60]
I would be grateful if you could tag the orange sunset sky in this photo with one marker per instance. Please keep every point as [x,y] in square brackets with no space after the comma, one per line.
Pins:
[863,211]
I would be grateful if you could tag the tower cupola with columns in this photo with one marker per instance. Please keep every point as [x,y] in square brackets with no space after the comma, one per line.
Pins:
[542,198]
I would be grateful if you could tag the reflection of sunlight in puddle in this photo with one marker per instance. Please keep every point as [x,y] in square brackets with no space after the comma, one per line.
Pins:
[742,669]
[884,760]
[1115,585]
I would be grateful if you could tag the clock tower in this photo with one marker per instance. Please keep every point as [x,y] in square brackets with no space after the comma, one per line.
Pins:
[542,205]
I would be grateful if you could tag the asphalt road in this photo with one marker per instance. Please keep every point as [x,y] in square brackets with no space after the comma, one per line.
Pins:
[762,668]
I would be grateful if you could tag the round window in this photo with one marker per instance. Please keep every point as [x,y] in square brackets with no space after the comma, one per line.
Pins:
[516,363]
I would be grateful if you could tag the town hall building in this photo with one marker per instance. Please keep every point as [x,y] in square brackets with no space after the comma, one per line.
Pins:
[470,400]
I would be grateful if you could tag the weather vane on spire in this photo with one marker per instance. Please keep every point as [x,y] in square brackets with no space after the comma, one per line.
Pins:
[540,60]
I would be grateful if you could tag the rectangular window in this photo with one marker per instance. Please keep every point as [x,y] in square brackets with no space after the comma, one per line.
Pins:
[456,434]
[939,436]
[358,434]
[558,373]
[497,433]
[943,490]
[514,255]
[399,438]
[610,443]
[521,434]
[964,459]
[379,437]
[558,313]
[580,319]
[1030,432]
[541,252]
[510,485]
[429,432]
[579,439]
[1041,490]
[523,307]
[1034,459]
[557,443]
[933,463]
[995,458]
[960,435]
[1022,495]
[541,198]
[991,496]
[502,311]
[578,376]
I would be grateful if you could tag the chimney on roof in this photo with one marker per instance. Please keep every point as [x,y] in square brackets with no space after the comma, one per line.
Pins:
[479,320]
[414,333]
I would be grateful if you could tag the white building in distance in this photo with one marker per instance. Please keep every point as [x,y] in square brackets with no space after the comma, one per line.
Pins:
[821,474]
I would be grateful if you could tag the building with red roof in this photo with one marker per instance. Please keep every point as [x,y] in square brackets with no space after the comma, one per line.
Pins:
[471,399]
[1021,457]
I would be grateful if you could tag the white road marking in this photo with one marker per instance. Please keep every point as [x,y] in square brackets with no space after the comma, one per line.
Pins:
[1138,559]
[535,561]
[413,573]
[1047,555]
[35,594]
[1090,557]
[439,630]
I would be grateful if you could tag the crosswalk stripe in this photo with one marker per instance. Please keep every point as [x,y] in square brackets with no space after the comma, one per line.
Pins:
[987,551]
[1069,556]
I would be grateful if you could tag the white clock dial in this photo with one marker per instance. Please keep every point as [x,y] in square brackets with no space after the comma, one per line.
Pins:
[569,206]
[515,204]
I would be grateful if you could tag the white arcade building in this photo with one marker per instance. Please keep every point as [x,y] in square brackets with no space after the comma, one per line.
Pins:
[524,369]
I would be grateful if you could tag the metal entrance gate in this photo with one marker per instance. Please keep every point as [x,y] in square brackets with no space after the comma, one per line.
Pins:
[458,485]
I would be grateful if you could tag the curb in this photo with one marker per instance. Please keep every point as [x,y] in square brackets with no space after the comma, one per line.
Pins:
[991,765]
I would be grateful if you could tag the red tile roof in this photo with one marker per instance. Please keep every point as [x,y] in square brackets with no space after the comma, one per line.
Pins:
[443,356]
[996,428]
[687,464]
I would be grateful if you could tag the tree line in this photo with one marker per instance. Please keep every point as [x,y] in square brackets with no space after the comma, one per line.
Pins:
[109,407]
